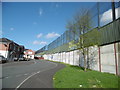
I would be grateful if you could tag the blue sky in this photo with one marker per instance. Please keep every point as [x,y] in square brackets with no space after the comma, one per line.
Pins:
[34,24]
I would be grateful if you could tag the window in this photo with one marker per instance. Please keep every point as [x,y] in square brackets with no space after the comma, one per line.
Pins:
[29,52]
[10,46]
[18,49]
[14,47]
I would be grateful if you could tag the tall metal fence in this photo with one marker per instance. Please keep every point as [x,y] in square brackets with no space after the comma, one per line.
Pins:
[105,20]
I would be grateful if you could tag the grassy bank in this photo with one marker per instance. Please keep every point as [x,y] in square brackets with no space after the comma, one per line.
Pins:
[75,77]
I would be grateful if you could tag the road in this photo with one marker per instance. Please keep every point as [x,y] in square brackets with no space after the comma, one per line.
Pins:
[29,74]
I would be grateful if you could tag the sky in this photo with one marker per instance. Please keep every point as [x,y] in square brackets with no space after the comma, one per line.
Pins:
[36,24]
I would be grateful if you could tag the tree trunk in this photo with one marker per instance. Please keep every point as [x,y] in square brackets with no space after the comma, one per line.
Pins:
[79,58]
[88,62]
[85,66]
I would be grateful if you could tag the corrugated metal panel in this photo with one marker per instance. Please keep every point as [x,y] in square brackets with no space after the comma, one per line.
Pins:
[110,33]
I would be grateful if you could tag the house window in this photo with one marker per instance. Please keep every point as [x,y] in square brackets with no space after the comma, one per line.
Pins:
[18,49]
[10,46]
[29,52]
[14,47]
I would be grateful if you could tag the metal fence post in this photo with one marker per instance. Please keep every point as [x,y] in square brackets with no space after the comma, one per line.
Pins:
[113,10]
[115,59]
[99,58]
[98,14]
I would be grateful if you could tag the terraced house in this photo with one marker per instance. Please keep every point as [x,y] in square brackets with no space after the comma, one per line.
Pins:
[29,54]
[10,50]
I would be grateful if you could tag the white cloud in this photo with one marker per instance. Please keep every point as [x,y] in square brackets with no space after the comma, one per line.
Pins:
[40,11]
[11,28]
[43,42]
[52,35]
[117,10]
[39,35]
[106,17]
[39,42]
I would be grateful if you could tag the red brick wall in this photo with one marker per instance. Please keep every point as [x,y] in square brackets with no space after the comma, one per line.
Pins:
[4,47]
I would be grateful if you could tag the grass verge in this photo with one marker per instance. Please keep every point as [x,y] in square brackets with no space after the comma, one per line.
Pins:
[75,77]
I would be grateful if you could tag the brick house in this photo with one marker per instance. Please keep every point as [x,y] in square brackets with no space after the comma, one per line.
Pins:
[10,49]
[29,54]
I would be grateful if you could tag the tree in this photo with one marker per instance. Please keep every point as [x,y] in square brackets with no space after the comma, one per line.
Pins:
[81,24]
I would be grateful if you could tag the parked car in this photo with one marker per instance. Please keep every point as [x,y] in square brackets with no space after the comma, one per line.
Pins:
[15,59]
[2,59]
[27,59]
[39,57]
[21,59]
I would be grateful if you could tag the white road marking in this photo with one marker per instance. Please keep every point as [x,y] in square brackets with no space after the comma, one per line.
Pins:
[26,80]
[31,76]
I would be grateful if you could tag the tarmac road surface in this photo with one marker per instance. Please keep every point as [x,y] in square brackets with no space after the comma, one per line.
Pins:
[29,74]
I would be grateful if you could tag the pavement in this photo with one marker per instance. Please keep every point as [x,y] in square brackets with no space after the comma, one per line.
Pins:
[29,74]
